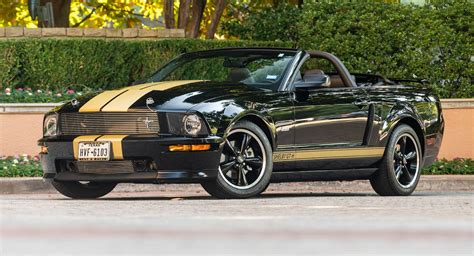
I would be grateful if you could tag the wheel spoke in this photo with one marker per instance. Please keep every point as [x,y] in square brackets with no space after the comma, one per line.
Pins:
[403,144]
[232,149]
[245,143]
[244,178]
[410,155]
[227,165]
[254,162]
[398,172]
[407,174]
[398,155]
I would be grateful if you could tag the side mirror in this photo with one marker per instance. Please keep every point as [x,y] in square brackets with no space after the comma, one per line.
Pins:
[313,82]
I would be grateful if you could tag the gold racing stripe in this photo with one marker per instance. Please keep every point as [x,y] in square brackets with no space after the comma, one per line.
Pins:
[125,100]
[116,144]
[96,103]
[75,143]
[363,152]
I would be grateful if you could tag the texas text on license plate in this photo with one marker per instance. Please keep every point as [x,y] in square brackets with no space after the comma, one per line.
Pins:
[94,151]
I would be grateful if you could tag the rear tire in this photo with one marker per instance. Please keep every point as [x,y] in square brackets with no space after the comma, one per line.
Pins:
[77,190]
[400,169]
[245,166]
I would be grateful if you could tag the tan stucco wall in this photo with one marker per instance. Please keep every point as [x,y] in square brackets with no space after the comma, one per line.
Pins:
[20,131]
[458,140]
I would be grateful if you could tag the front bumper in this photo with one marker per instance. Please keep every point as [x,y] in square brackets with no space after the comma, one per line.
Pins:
[148,157]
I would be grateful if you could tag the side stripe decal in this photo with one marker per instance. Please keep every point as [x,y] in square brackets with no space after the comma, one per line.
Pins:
[363,152]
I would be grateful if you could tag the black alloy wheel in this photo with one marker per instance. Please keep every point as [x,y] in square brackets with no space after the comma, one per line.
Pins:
[245,163]
[399,171]
[406,160]
[243,159]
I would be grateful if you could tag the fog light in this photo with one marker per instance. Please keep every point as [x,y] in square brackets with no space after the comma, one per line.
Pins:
[180,147]
[44,150]
[200,147]
[190,147]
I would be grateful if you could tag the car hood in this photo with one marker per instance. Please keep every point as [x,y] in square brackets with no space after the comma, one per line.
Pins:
[169,95]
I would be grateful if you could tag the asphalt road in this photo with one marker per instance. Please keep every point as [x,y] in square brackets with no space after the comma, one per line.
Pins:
[190,223]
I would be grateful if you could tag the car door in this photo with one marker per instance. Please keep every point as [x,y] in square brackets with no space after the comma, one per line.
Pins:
[330,123]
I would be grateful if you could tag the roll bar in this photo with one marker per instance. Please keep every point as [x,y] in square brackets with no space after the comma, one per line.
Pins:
[341,69]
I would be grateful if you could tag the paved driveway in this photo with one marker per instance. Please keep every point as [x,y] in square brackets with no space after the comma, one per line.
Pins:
[157,223]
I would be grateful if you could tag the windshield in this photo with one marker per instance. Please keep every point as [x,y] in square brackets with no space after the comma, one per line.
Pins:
[258,68]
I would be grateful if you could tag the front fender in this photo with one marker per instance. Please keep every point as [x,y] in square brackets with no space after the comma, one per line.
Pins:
[235,112]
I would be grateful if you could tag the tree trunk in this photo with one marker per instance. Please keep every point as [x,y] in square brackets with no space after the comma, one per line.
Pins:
[183,15]
[216,17]
[61,10]
[169,13]
[197,12]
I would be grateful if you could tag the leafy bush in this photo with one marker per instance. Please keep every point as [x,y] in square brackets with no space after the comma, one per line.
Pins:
[456,166]
[92,64]
[27,95]
[269,24]
[20,166]
[433,41]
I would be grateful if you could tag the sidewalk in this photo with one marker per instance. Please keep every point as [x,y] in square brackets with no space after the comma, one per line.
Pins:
[434,183]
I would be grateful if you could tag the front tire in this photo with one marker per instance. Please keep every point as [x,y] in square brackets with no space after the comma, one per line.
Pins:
[245,166]
[400,169]
[78,190]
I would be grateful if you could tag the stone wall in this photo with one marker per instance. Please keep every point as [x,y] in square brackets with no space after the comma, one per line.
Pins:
[127,33]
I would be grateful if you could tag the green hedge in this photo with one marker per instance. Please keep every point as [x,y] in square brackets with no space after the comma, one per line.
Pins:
[433,42]
[92,64]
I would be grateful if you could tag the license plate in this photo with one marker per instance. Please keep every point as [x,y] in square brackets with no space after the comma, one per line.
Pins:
[94,151]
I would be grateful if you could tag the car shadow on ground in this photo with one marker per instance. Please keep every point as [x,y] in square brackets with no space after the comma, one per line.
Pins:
[270,195]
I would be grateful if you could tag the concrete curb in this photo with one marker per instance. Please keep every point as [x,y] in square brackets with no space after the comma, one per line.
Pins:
[433,183]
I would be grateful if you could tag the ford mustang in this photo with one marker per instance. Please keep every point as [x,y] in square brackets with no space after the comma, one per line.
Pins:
[235,120]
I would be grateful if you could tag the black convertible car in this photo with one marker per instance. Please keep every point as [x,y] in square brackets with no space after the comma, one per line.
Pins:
[235,120]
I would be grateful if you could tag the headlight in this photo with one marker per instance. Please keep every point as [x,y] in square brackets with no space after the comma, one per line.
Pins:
[185,124]
[50,126]
[192,124]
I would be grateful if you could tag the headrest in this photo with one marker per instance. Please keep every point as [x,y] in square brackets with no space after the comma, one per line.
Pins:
[238,74]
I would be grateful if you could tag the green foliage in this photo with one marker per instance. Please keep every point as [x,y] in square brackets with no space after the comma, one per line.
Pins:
[268,24]
[20,166]
[27,95]
[92,64]
[397,40]
[456,166]
[433,41]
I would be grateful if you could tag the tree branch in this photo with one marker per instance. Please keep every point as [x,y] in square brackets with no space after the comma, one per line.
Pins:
[86,17]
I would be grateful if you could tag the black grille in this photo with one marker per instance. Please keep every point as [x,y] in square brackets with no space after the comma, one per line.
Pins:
[102,123]
[109,167]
